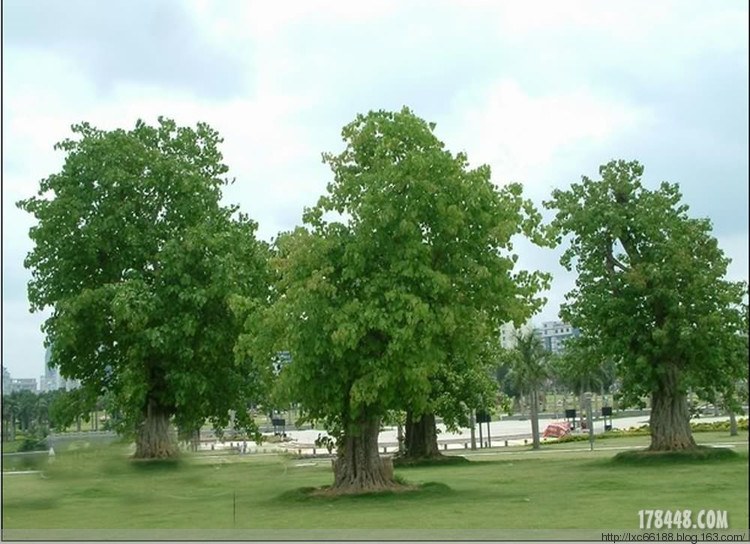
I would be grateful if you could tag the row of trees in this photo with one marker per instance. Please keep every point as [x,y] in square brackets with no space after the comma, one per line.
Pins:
[25,411]
[389,297]
[35,414]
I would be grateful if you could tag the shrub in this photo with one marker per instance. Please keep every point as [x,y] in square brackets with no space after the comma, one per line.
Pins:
[32,443]
[718,425]
[644,430]
[573,438]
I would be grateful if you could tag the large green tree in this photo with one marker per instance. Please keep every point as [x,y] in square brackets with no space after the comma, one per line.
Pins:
[651,293]
[403,270]
[140,265]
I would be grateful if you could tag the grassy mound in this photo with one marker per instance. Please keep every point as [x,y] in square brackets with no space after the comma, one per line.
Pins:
[403,489]
[697,455]
[156,465]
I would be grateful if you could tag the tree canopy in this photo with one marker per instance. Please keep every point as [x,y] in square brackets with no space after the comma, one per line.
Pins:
[651,292]
[141,265]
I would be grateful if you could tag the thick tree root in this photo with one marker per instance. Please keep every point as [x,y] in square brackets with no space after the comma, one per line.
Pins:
[154,438]
[358,468]
[670,416]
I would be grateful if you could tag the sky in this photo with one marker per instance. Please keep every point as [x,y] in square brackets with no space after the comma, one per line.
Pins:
[542,91]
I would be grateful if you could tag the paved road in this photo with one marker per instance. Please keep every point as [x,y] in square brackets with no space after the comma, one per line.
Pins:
[500,430]
[512,431]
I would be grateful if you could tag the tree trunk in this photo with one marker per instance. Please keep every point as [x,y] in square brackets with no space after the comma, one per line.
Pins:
[732,423]
[153,438]
[670,416]
[421,437]
[534,419]
[358,467]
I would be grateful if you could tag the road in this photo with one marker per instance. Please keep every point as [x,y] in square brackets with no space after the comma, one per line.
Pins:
[503,432]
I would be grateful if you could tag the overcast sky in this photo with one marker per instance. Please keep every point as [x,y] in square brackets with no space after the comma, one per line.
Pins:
[544,92]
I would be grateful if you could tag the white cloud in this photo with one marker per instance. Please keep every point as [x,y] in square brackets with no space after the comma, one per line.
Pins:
[264,143]
[628,20]
[267,20]
[520,135]
[735,246]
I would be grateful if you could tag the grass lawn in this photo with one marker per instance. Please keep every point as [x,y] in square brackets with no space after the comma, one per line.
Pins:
[564,486]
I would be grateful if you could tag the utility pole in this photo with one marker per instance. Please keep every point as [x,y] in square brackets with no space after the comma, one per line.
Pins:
[472,423]
[400,437]
[590,418]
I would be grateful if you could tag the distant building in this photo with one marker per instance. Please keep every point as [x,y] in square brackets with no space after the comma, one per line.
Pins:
[12,385]
[52,380]
[23,384]
[6,382]
[554,334]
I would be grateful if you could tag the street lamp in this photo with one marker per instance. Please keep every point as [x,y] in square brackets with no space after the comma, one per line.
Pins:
[587,396]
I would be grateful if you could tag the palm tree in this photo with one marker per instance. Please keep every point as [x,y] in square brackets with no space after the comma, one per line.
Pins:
[580,369]
[42,410]
[529,371]
[10,411]
[27,409]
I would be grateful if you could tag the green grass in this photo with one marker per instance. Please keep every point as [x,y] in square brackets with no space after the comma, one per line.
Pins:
[561,487]
[12,446]
[430,462]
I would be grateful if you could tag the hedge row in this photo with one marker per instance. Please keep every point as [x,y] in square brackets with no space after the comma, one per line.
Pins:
[643,430]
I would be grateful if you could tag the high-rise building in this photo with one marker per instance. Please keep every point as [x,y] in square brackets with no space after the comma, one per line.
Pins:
[52,380]
[554,334]
[6,382]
